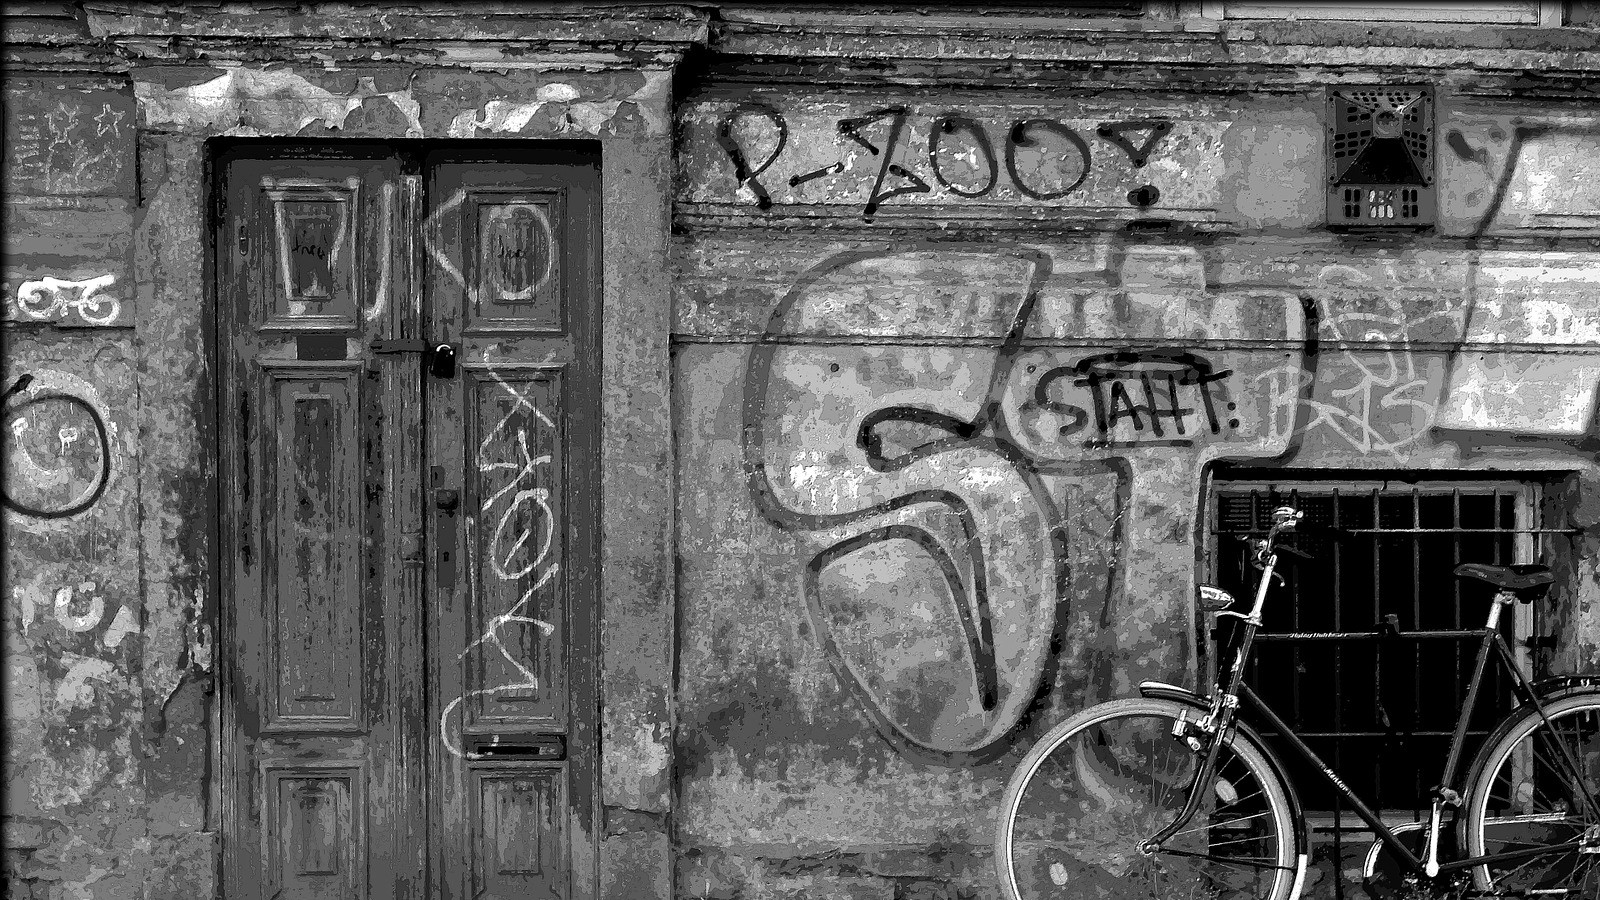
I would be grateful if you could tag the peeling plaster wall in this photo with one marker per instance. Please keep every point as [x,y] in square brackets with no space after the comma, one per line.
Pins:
[882,331]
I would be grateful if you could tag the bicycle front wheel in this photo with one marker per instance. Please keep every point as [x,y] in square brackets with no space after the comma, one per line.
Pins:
[1114,775]
[1535,786]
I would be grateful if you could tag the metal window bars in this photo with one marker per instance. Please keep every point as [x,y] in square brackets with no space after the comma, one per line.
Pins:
[1380,711]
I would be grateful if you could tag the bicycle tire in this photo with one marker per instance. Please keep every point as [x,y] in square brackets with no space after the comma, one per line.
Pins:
[1084,796]
[1512,799]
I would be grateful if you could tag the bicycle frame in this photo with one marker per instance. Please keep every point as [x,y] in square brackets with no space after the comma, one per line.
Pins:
[1230,690]
[1489,640]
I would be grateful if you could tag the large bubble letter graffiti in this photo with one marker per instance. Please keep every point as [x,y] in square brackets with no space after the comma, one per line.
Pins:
[937,556]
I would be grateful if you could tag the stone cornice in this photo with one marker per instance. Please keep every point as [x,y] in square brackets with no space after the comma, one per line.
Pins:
[1187,53]
[592,25]
[497,35]
[733,42]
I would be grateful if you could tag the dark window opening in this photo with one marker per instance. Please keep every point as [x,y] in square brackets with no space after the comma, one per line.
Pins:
[1379,713]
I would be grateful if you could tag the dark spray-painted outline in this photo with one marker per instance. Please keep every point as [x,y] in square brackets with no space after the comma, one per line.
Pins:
[961,434]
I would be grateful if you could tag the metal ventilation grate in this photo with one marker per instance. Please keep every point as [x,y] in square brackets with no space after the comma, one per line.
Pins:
[1380,156]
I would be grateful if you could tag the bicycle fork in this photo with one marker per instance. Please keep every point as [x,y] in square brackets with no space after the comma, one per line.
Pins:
[1215,724]
[1224,707]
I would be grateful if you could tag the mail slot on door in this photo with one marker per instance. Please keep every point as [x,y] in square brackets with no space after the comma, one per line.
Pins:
[517,747]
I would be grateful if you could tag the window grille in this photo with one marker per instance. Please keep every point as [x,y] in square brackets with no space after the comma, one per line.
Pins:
[1380,713]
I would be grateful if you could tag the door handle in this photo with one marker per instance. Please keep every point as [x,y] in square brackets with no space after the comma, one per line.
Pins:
[440,358]
[446,501]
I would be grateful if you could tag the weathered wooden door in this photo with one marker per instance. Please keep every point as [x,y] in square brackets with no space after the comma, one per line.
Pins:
[408,413]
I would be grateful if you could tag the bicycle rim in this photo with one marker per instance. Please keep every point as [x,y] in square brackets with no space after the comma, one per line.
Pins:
[1112,776]
[1526,795]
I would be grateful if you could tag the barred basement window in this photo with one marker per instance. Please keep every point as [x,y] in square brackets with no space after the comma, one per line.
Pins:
[1380,713]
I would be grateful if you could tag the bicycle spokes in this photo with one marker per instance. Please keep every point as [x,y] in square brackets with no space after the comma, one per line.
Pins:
[1095,801]
[1536,799]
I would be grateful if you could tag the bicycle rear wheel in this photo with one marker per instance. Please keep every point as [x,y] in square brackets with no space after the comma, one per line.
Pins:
[1524,794]
[1112,776]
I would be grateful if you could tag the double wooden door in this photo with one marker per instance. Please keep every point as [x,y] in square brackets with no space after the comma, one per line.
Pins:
[408,419]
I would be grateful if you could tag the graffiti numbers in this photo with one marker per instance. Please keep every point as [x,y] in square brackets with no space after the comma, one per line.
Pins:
[1045,159]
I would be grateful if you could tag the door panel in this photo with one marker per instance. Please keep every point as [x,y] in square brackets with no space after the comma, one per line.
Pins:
[512,276]
[312,537]
[305,263]
[410,592]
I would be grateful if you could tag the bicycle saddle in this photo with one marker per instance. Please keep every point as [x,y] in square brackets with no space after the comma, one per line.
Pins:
[1508,578]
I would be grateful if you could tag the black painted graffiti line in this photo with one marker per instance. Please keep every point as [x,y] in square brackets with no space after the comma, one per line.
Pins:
[1022,134]
[980,533]
[1463,379]
[1157,373]
[1019,138]
[1116,132]
[951,123]
[78,419]
[741,168]
[897,118]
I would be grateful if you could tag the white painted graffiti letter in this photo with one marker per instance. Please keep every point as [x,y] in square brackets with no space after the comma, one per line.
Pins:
[513,538]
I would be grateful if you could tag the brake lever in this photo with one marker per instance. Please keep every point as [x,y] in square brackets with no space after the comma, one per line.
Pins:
[1292,551]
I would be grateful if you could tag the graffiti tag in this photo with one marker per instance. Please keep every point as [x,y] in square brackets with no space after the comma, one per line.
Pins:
[1045,159]
[517,547]
[50,299]
[72,437]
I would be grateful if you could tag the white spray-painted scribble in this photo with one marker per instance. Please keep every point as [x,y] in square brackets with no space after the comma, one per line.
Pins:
[1390,402]
[49,297]
[522,492]
[61,603]
[86,620]
[380,300]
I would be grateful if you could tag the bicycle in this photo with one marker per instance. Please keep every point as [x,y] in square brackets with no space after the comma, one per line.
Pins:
[1175,794]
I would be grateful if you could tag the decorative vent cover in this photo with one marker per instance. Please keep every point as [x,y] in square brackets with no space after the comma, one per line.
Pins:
[1380,156]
